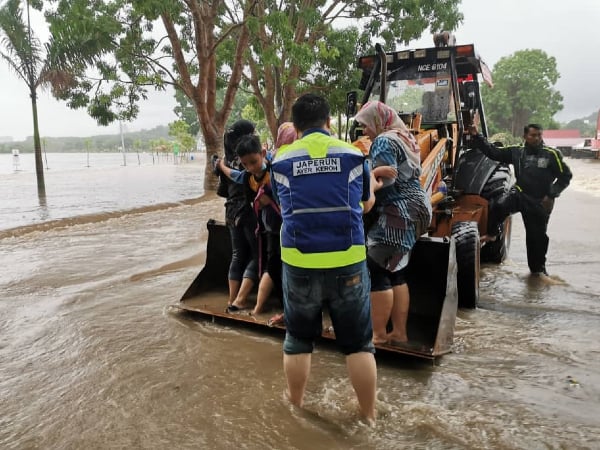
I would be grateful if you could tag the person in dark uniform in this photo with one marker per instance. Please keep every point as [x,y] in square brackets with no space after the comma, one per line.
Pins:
[541,175]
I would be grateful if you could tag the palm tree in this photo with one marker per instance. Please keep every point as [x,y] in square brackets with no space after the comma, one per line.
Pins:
[34,63]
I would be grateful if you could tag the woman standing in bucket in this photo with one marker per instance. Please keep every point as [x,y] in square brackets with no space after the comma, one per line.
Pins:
[403,214]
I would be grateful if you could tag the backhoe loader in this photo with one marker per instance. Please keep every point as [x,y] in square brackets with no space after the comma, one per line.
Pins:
[436,92]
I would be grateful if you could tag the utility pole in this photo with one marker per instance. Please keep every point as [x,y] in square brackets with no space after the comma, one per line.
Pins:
[45,155]
[122,143]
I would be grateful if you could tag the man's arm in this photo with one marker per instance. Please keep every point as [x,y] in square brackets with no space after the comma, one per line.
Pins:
[371,184]
[563,178]
[563,175]
[368,204]
[491,151]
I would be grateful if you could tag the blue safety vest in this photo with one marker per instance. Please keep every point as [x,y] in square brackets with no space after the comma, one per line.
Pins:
[320,182]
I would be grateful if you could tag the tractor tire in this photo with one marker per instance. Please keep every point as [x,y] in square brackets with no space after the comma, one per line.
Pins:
[497,251]
[466,236]
[498,184]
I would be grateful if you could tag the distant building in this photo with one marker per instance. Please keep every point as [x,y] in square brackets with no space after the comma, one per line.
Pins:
[564,140]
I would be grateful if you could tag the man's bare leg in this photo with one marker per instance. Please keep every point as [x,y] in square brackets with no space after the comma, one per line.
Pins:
[362,371]
[381,309]
[400,313]
[297,370]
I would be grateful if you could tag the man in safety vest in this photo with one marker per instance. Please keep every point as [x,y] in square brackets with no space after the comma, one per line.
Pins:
[322,185]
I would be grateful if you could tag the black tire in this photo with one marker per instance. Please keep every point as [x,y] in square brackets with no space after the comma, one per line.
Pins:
[498,184]
[466,237]
[497,251]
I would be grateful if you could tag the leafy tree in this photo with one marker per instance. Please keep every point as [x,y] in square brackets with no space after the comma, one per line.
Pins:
[202,48]
[523,92]
[297,47]
[36,64]
[506,139]
[180,131]
[196,47]
[186,111]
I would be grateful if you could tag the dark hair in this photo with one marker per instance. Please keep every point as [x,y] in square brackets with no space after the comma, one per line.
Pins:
[535,126]
[233,134]
[310,111]
[247,145]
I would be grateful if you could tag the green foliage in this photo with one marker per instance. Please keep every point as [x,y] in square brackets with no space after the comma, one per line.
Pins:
[113,46]
[506,139]
[127,47]
[20,50]
[523,92]
[36,64]
[121,48]
[335,71]
[186,112]
[298,46]
[180,131]
[98,143]
[315,47]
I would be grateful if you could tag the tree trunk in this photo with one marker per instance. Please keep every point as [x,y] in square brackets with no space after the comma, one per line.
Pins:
[203,91]
[214,146]
[37,145]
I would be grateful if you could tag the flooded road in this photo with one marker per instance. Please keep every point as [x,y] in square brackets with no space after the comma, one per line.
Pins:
[93,355]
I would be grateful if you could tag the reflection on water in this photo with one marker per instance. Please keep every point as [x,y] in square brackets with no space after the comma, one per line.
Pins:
[44,213]
[93,356]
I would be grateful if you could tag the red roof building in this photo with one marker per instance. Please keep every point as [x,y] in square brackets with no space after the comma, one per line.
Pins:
[562,138]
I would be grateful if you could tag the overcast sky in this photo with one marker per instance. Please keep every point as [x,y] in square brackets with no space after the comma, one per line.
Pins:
[569,31]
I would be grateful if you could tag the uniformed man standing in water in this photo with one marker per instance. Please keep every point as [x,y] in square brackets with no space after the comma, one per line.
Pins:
[541,176]
[320,183]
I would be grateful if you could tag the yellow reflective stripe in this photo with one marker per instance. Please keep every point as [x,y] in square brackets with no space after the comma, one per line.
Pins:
[328,260]
[551,150]
[518,187]
[316,145]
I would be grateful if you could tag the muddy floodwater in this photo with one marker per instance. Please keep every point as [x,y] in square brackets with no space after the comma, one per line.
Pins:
[94,355]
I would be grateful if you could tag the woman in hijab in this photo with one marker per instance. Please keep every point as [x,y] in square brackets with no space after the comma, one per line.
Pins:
[404,213]
[286,134]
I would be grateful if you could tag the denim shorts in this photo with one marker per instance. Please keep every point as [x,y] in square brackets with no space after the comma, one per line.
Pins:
[344,291]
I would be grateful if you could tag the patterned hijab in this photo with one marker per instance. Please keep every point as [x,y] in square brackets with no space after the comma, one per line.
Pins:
[382,119]
[286,134]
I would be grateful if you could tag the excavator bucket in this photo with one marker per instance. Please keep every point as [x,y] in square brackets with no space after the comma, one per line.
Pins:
[213,276]
[431,278]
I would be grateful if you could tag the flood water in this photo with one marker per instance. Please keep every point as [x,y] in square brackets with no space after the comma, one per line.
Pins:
[93,354]
[79,184]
